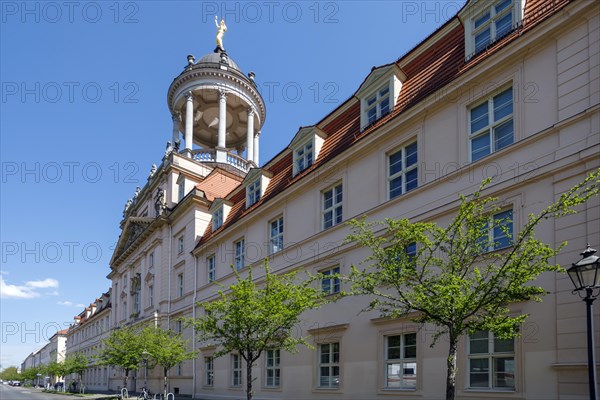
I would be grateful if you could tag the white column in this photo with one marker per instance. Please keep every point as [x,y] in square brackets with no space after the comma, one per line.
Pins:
[255,159]
[176,117]
[222,119]
[189,121]
[250,136]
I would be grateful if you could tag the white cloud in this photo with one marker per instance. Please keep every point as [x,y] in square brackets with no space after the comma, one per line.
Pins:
[70,304]
[26,291]
[46,283]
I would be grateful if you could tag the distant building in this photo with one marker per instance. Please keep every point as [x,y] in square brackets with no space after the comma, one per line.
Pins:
[53,351]
[506,88]
[85,336]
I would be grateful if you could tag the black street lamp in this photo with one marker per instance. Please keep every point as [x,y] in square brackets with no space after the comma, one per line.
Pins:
[585,277]
[145,355]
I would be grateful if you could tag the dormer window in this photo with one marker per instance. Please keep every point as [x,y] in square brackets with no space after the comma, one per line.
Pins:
[378,93]
[256,182]
[305,148]
[219,209]
[253,193]
[487,22]
[378,105]
[217,219]
[303,157]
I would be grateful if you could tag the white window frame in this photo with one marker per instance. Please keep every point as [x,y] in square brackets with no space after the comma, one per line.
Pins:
[335,205]
[304,156]
[236,370]
[180,284]
[404,169]
[494,232]
[211,268]
[180,244]
[475,10]
[180,188]
[491,356]
[330,286]
[272,368]
[378,98]
[151,259]
[253,193]
[209,371]
[150,295]
[276,227]
[137,298]
[217,219]
[333,381]
[402,360]
[239,247]
[491,126]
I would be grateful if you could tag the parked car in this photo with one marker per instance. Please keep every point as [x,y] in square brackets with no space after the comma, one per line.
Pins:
[14,383]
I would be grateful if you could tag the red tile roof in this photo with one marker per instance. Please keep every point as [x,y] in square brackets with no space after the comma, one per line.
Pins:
[439,64]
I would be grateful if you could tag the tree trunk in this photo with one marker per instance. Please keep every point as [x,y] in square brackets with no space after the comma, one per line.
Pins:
[249,379]
[126,378]
[451,367]
[165,383]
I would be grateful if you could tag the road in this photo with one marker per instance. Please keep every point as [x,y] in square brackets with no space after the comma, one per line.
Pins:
[23,393]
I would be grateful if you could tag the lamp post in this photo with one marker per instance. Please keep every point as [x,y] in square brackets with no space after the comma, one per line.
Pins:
[145,355]
[585,277]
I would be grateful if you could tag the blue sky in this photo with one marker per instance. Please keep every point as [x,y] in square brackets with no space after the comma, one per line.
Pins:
[84,116]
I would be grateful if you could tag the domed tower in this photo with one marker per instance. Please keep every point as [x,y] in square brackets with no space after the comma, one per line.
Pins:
[219,110]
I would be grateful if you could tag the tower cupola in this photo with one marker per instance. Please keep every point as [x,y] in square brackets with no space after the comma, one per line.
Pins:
[218,109]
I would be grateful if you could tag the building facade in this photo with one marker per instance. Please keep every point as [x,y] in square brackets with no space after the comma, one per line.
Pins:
[85,336]
[508,89]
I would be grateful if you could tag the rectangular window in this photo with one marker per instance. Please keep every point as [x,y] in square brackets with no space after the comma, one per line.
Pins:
[491,125]
[332,206]
[179,368]
[211,268]
[401,361]
[238,260]
[272,370]
[150,296]
[178,326]
[330,285]
[209,371]
[329,365]
[498,232]
[180,244]
[181,190]
[236,370]
[493,23]
[303,157]
[276,235]
[491,361]
[253,193]
[378,105]
[151,260]
[217,219]
[180,286]
[403,171]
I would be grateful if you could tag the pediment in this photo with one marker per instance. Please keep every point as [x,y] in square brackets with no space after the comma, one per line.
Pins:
[132,230]
[254,174]
[377,76]
[304,133]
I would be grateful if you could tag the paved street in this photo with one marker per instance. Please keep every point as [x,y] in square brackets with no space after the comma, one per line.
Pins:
[23,393]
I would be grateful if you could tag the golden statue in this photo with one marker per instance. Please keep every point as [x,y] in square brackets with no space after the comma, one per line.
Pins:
[221,29]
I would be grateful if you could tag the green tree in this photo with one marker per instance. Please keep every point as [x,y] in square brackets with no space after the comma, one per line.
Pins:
[453,281]
[56,370]
[166,349]
[30,374]
[77,364]
[122,348]
[9,374]
[248,318]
